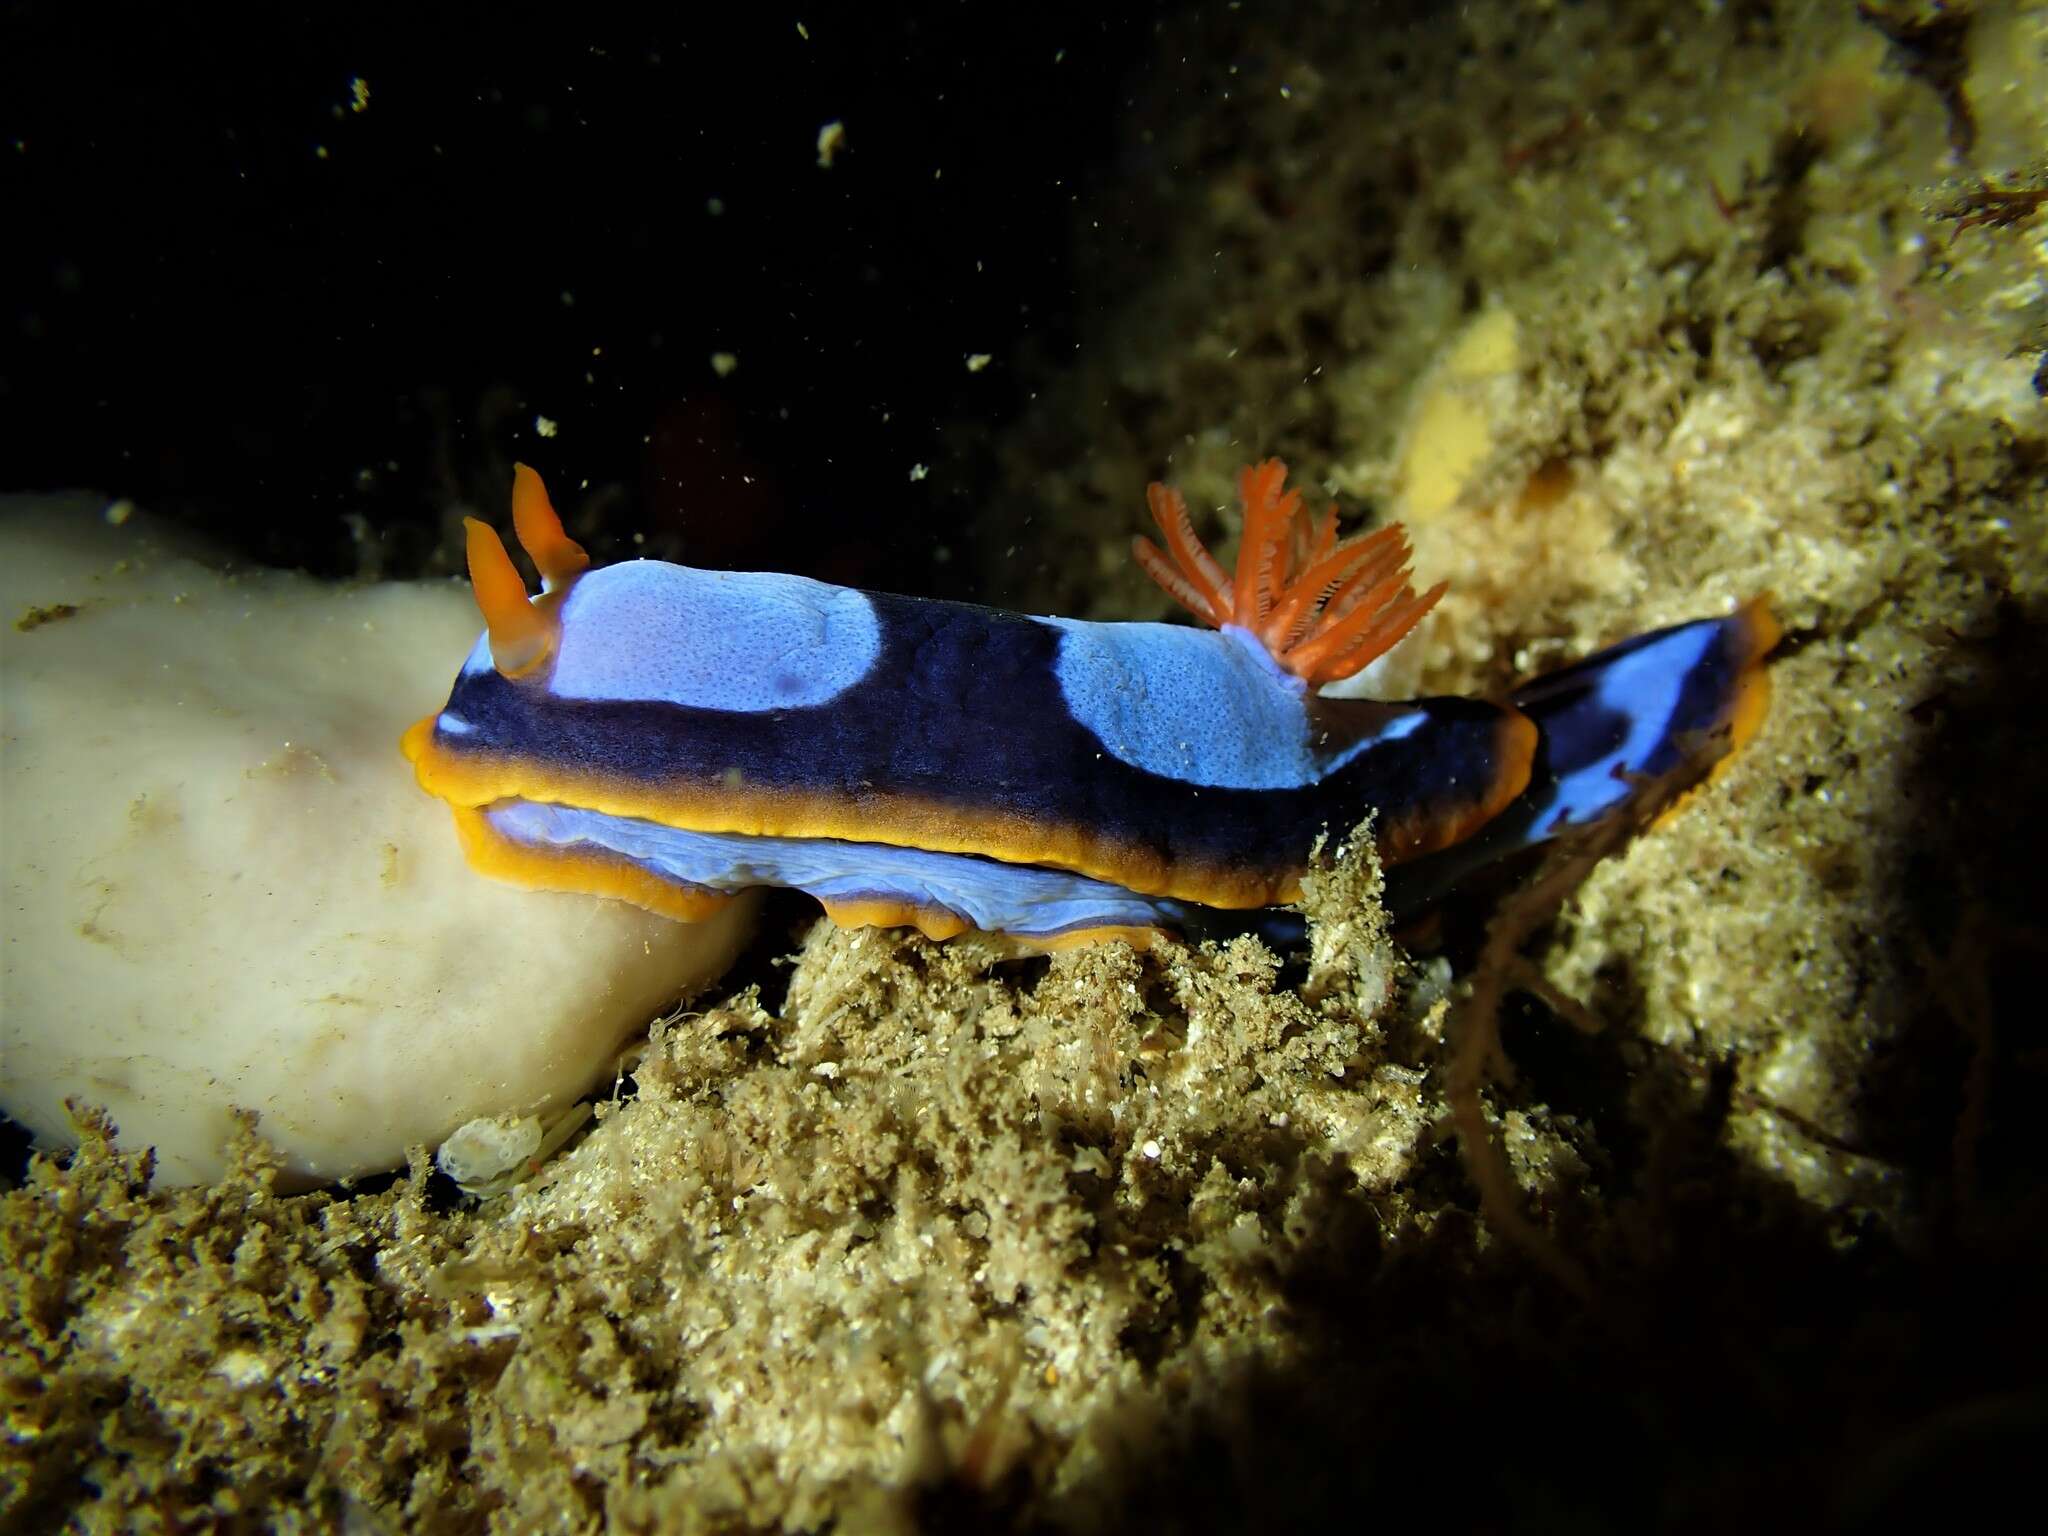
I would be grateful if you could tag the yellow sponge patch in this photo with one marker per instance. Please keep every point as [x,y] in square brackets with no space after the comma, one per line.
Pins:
[1450,428]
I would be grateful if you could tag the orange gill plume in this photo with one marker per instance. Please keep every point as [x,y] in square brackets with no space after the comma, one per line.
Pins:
[1323,608]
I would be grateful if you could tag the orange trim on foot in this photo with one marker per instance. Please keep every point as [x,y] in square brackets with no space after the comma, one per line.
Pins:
[935,923]
[589,874]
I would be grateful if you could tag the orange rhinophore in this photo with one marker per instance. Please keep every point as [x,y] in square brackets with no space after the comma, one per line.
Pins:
[523,630]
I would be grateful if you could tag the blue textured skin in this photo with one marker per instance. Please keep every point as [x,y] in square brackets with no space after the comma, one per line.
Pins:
[1000,898]
[729,640]
[1196,706]
[1199,706]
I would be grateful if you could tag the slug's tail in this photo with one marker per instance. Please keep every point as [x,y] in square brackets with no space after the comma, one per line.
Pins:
[1669,705]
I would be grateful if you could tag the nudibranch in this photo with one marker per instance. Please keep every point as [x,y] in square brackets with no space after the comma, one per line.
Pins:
[671,736]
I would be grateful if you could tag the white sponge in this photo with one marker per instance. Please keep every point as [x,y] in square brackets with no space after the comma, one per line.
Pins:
[224,890]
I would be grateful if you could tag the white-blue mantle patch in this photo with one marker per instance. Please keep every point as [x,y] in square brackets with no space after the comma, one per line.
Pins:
[737,640]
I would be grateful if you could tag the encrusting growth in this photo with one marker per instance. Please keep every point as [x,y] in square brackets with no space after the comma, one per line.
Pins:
[1322,609]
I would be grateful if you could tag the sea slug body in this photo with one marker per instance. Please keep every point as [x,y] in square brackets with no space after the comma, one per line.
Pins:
[671,736]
